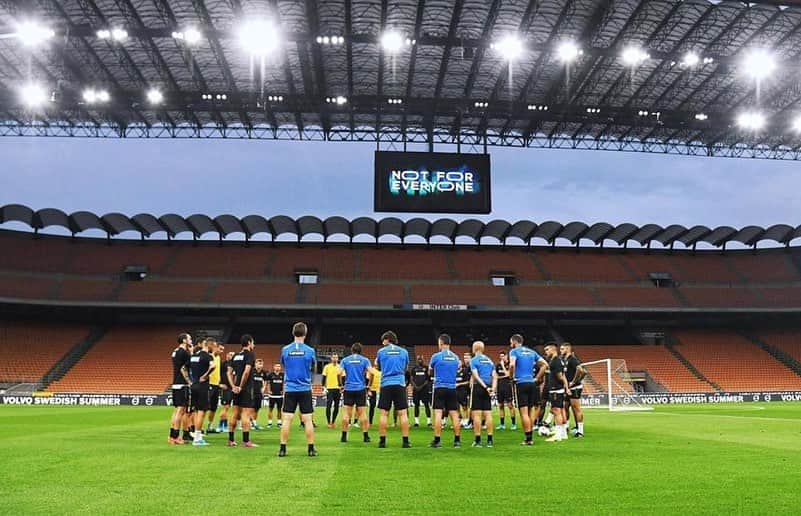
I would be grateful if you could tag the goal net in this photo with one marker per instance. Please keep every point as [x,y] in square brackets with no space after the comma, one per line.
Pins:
[611,377]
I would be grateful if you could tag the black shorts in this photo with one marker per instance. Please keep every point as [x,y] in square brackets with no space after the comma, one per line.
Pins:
[226,396]
[180,397]
[557,399]
[481,399]
[358,398]
[393,396]
[274,402]
[528,394]
[505,392]
[423,397]
[245,398]
[200,396]
[258,401]
[214,397]
[575,393]
[293,400]
[445,399]
[463,396]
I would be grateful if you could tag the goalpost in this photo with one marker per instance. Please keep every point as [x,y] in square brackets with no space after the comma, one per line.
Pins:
[611,376]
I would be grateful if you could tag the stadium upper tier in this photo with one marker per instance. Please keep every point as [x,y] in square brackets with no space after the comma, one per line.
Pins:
[53,269]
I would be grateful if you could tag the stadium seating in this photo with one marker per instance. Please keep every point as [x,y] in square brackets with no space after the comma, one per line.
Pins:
[735,363]
[479,264]
[355,294]
[657,361]
[255,292]
[27,287]
[764,267]
[459,294]
[30,349]
[569,265]
[394,264]
[555,296]
[128,359]
[212,261]
[161,291]
[331,262]
[645,296]
[788,341]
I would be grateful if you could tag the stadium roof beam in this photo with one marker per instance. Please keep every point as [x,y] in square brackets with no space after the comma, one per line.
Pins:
[418,22]
[443,68]
[290,80]
[317,60]
[589,71]
[380,85]
[133,19]
[590,27]
[502,77]
[164,8]
[349,57]
[731,26]
[219,56]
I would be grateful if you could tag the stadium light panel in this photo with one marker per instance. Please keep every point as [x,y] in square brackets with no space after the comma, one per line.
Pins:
[33,95]
[797,124]
[32,34]
[104,34]
[690,59]
[190,36]
[92,96]
[391,41]
[510,47]
[259,38]
[567,51]
[751,120]
[759,64]
[119,34]
[633,56]
[702,117]
[155,96]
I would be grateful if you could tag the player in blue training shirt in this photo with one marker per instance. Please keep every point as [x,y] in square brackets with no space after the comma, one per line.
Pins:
[298,360]
[392,360]
[357,370]
[521,364]
[444,366]
[485,382]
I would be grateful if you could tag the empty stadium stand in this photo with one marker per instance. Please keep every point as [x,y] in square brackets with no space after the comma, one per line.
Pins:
[128,359]
[733,362]
[786,341]
[655,360]
[29,350]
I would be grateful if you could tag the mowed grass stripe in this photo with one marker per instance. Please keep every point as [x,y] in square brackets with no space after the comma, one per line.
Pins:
[100,460]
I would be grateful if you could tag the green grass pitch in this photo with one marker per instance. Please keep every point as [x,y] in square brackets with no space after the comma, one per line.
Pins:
[736,459]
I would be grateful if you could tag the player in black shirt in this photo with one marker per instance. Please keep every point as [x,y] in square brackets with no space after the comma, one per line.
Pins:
[575,374]
[275,388]
[200,367]
[463,376]
[259,377]
[558,388]
[240,376]
[180,386]
[421,390]
[504,395]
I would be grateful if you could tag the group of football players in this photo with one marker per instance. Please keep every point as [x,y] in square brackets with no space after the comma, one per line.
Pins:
[458,388]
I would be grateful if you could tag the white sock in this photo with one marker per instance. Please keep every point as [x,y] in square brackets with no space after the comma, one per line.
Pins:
[564,431]
[580,427]
[269,422]
[428,420]
[549,418]
[417,421]
[198,435]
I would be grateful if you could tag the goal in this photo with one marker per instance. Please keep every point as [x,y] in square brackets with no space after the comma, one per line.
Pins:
[610,377]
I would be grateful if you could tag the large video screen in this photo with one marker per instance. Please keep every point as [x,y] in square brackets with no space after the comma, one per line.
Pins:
[432,182]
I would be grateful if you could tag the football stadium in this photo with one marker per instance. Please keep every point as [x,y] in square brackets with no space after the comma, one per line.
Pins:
[203,307]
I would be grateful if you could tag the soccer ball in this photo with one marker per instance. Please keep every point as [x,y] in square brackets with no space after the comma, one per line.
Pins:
[544,431]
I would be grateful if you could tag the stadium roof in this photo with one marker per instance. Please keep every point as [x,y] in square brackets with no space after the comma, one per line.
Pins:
[443,79]
[501,231]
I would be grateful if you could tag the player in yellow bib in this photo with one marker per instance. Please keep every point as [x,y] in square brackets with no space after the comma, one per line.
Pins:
[332,382]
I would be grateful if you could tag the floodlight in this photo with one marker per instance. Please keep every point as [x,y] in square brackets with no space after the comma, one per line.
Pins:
[633,56]
[32,34]
[155,96]
[391,41]
[259,38]
[567,51]
[33,95]
[759,64]
[751,120]
[797,124]
[92,96]
[510,47]
[690,59]
[119,34]
[192,36]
